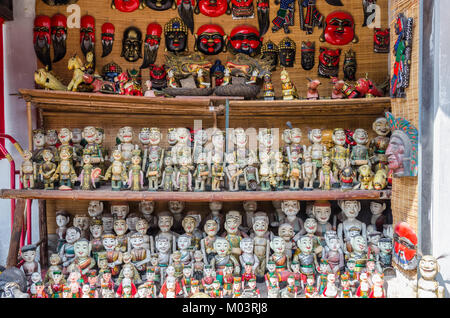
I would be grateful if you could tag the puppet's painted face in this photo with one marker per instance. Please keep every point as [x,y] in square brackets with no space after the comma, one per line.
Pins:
[120,227]
[359,243]
[96,230]
[176,35]
[290,207]
[87,34]
[120,211]
[361,136]
[351,208]
[322,213]
[184,242]
[278,245]
[210,39]
[339,137]
[286,231]
[340,28]
[132,44]
[165,223]
[211,227]
[305,244]
[221,246]
[245,39]
[246,246]
[90,134]
[381,126]
[176,207]
[147,207]
[95,208]
[310,225]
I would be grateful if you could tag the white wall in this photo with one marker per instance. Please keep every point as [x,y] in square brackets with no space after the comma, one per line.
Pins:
[20,63]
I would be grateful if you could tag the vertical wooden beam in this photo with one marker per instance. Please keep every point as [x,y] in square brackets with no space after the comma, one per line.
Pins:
[30,126]
[43,235]
[14,244]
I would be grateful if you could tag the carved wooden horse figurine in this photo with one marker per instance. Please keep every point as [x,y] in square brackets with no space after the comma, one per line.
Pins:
[76,65]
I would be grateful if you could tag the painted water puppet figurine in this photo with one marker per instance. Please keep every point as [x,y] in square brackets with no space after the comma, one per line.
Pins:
[248,260]
[168,179]
[307,259]
[42,39]
[350,65]
[201,172]
[135,174]
[285,16]
[313,92]
[65,173]
[381,40]
[291,208]
[282,262]
[339,29]
[287,51]
[330,290]
[286,232]
[338,86]
[311,229]
[120,210]
[207,243]
[217,172]
[269,91]
[30,265]
[27,171]
[165,223]
[81,221]
[232,171]
[333,253]
[427,286]
[96,230]
[359,155]
[308,50]
[184,175]
[261,241]
[350,227]
[176,35]
[89,135]
[121,228]
[51,140]
[66,252]
[402,151]
[88,174]
[140,254]
[83,261]
[223,257]
[153,172]
[251,174]
[340,155]
[309,171]
[322,213]
[326,174]
[288,89]
[116,172]
[233,235]
[210,39]
[329,62]
[379,144]
[317,148]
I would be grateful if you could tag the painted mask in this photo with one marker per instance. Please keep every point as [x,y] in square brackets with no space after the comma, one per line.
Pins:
[210,39]
[270,51]
[132,44]
[245,39]
[350,66]
[287,52]
[158,77]
[159,5]
[186,12]
[339,29]
[263,9]
[125,5]
[405,245]
[59,36]
[176,35]
[87,34]
[241,9]
[59,2]
[329,62]
[107,37]
[212,8]
[308,52]
[381,40]
[151,44]
[42,39]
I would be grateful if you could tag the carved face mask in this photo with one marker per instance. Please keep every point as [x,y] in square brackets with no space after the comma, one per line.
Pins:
[339,29]
[151,44]
[405,241]
[59,36]
[287,52]
[329,62]
[59,2]
[210,39]
[245,39]
[381,40]
[241,9]
[308,51]
[350,65]
[42,39]
[107,36]
[270,51]
[212,8]
[125,5]
[158,77]
[176,34]
[159,5]
[87,34]
[263,9]
[186,12]
[131,44]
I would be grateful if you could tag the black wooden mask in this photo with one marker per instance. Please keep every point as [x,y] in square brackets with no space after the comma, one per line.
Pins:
[308,52]
[287,52]
[132,44]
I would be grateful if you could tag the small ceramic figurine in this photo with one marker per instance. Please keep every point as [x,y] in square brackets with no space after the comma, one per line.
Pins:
[217,172]
[286,232]
[309,171]
[140,254]
[135,174]
[364,287]
[326,174]
[379,144]
[317,148]
[96,230]
[120,228]
[207,243]
[201,172]
[30,265]
[272,283]
[82,261]
[427,286]
[311,229]
[385,256]
[288,89]
[65,173]
[176,208]
[189,225]
[208,278]
[313,93]
[330,290]
[322,213]
[62,220]
[291,208]
[265,171]
[251,175]
[223,257]
[290,291]
[66,251]
[350,227]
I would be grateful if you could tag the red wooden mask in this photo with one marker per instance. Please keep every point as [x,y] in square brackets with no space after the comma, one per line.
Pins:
[212,8]
[381,40]
[42,39]
[151,44]
[242,9]
[126,5]
[405,244]
[59,36]
[210,39]
[329,62]
[339,29]
[108,31]
[245,39]
[87,33]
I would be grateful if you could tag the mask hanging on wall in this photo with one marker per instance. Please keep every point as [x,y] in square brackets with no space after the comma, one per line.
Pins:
[381,40]
[270,51]
[263,10]
[59,2]
[107,36]
[350,66]
[212,8]
[210,39]
[242,9]
[59,36]
[287,49]
[329,62]
[159,5]
[308,52]
[186,13]
[87,34]
[158,77]
[245,39]
[339,29]
[42,40]
[151,44]
[126,5]
[132,44]
[176,35]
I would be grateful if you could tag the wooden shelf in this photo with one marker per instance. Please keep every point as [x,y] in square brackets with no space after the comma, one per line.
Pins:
[73,102]
[105,194]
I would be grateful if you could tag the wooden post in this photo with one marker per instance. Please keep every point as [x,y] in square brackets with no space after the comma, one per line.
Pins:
[30,126]
[14,244]
[43,235]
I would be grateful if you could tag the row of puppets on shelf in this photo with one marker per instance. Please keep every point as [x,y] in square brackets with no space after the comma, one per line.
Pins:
[336,158]
[121,254]
[187,73]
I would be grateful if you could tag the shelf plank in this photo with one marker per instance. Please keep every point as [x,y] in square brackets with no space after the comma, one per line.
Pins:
[104,194]
[74,102]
